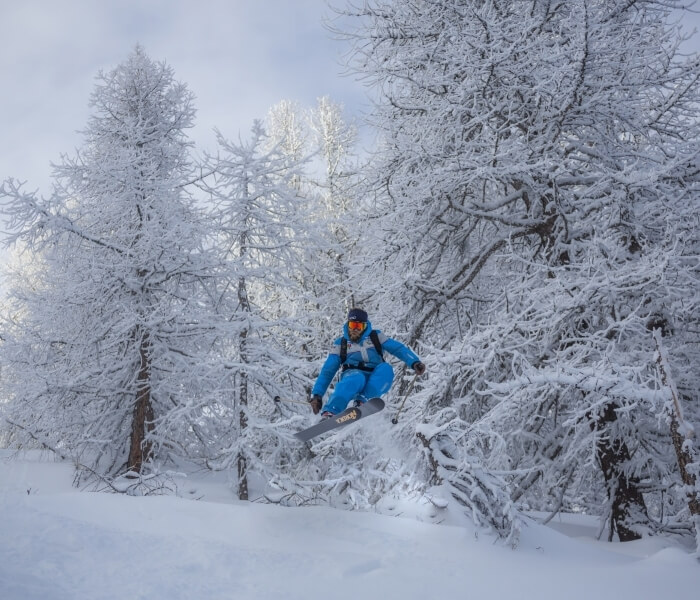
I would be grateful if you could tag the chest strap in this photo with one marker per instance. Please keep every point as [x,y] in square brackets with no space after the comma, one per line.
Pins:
[374,336]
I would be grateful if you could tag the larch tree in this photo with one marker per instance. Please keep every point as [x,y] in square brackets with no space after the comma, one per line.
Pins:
[261,233]
[338,186]
[536,182]
[111,356]
[330,189]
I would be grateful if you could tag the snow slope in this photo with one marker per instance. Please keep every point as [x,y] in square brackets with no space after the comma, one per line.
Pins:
[60,543]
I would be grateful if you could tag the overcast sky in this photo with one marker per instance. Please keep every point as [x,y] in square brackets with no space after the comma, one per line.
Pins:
[239,57]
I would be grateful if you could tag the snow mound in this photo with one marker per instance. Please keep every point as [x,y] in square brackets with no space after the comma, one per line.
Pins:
[58,543]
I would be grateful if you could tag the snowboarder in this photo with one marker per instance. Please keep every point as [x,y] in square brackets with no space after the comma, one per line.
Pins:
[365,375]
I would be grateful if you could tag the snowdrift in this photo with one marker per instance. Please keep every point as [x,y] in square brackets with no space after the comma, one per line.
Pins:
[59,543]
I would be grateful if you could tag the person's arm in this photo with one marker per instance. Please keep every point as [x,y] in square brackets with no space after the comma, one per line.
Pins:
[328,371]
[401,352]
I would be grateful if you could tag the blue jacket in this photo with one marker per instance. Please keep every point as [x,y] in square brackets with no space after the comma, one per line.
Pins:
[362,353]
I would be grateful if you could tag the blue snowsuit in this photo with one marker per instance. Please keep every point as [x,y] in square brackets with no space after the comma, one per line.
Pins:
[364,375]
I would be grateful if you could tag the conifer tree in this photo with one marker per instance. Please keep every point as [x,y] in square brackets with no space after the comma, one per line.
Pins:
[110,357]
[261,233]
[330,187]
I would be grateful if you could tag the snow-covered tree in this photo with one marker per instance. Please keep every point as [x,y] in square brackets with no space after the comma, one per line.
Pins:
[288,130]
[537,177]
[339,189]
[261,224]
[331,188]
[111,355]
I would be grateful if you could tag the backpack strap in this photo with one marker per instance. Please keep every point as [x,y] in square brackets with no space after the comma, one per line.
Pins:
[374,336]
[343,350]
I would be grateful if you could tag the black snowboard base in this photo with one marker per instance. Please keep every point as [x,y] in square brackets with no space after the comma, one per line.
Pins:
[342,419]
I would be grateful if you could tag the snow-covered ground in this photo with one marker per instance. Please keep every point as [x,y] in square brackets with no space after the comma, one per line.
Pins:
[60,543]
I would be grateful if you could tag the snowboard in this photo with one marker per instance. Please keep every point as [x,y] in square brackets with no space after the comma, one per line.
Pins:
[342,419]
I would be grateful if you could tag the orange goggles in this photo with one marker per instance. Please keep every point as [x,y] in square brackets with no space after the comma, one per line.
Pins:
[356,325]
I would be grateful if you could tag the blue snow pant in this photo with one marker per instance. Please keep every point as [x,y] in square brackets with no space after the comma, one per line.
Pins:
[362,385]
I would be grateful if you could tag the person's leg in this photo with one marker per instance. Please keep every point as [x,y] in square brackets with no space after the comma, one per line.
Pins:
[379,381]
[350,384]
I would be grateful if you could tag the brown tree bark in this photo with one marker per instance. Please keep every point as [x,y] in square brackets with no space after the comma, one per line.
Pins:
[142,422]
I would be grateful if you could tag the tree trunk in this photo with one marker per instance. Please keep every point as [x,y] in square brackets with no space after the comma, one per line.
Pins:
[684,461]
[243,394]
[142,423]
[682,444]
[242,464]
[628,504]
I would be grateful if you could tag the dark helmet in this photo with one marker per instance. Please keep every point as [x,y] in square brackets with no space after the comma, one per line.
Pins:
[357,314]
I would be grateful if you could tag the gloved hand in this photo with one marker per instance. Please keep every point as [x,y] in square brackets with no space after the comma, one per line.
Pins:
[316,402]
[418,367]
